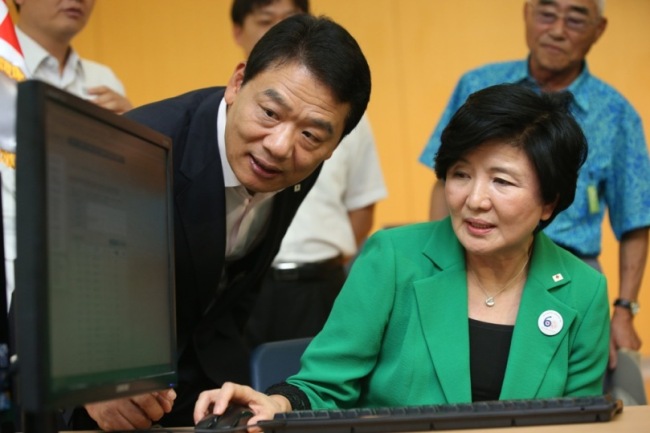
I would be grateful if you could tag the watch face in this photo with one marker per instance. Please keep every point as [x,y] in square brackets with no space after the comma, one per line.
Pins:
[634,307]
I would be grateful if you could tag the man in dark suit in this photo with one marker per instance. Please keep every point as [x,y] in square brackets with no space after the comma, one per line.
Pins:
[245,156]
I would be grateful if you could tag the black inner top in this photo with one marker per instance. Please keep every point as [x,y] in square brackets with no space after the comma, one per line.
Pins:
[489,346]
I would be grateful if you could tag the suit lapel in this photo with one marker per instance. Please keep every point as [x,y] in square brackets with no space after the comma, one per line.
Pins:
[201,202]
[442,305]
[526,370]
[201,143]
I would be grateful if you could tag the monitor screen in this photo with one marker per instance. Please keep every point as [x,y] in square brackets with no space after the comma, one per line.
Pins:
[94,297]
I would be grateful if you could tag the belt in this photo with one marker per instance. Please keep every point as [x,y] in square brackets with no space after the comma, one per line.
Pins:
[289,271]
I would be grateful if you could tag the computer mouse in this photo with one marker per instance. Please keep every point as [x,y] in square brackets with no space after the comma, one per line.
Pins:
[233,416]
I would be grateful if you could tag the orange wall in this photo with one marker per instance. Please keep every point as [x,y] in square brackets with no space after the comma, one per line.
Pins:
[417,49]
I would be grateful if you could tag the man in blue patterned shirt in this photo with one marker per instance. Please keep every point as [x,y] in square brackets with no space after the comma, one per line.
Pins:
[616,176]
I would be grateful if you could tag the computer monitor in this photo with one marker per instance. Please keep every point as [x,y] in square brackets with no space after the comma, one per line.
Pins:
[94,298]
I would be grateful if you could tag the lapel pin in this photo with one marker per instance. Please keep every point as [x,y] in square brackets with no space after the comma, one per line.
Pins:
[557,277]
[296,188]
[550,322]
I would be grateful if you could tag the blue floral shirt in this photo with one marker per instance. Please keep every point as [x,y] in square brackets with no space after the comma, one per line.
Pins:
[616,174]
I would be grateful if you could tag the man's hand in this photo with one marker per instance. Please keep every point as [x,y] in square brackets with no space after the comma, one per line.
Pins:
[109,99]
[632,256]
[623,335]
[138,412]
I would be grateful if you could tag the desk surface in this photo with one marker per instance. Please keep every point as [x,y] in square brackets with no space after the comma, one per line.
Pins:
[633,419]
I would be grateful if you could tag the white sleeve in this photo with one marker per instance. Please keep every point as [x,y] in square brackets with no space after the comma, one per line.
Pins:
[365,184]
[97,74]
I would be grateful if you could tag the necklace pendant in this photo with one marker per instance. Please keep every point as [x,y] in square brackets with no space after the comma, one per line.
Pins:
[489,301]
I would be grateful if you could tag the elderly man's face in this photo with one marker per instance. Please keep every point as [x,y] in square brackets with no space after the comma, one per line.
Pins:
[559,33]
[280,126]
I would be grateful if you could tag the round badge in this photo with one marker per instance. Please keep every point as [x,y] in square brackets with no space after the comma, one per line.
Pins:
[550,322]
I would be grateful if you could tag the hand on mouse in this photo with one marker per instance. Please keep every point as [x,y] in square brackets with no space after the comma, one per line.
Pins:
[137,412]
[216,401]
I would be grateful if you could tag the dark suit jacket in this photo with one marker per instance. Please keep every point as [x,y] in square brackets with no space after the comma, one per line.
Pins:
[209,326]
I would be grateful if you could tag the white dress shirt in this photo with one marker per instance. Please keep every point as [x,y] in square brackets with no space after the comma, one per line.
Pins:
[78,74]
[247,215]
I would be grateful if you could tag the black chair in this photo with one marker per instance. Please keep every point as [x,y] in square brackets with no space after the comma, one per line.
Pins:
[275,361]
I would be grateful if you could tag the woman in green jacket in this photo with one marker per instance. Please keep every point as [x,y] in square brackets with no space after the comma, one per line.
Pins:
[479,306]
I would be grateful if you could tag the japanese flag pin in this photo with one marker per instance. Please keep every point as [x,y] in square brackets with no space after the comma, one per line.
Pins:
[550,322]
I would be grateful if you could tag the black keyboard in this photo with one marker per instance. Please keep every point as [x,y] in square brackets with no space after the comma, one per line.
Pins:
[503,413]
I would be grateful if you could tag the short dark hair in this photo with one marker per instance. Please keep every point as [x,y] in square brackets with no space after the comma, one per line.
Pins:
[326,49]
[540,124]
[240,9]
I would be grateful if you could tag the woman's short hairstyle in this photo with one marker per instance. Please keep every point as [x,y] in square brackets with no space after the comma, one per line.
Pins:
[540,124]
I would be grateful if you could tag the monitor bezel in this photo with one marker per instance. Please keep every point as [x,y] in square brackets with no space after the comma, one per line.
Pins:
[31,305]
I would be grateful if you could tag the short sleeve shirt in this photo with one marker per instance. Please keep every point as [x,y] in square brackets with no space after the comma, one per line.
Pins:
[616,174]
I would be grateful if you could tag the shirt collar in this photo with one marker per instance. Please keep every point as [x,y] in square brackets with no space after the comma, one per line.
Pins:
[580,90]
[35,54]
[229,177]
[578,87]
[522,73]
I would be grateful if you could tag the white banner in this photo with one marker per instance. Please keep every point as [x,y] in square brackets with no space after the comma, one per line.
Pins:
[12,69]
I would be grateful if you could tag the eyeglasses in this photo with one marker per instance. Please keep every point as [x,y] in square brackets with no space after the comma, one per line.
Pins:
[548,15]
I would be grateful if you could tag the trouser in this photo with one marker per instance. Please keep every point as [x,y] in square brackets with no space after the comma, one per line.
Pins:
[295,303]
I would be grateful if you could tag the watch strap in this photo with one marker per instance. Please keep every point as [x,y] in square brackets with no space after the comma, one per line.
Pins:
[626,303]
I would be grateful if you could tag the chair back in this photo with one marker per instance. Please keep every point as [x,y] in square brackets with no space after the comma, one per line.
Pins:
[627,382]
[275,361]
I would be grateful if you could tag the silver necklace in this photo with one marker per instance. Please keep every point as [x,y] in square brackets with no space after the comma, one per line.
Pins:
[489,299]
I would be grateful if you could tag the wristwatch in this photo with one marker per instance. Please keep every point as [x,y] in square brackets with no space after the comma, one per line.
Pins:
[630,305]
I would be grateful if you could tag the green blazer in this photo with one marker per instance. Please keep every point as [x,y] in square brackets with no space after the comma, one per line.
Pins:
[399,333]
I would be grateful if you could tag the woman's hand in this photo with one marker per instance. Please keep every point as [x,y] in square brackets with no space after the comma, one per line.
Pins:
[216,401]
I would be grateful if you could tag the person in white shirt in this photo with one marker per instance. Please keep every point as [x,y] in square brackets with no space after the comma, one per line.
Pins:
[336,217]
[45,30]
